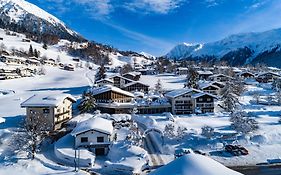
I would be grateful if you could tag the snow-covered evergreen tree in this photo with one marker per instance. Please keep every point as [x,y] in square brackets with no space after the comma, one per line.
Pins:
[159,87]
[207,131]
[88,103]
[192,78]
[101,73]
[243,122]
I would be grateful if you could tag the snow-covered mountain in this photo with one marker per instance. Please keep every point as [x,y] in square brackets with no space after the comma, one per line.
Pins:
[24,17]
[239,49]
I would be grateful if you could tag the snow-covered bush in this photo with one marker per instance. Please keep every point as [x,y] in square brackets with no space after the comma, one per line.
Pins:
[207,131]
[243,122]
[181,132]
[169,130]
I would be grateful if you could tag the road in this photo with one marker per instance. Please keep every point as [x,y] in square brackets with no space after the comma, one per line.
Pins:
[259,170]
[152,148]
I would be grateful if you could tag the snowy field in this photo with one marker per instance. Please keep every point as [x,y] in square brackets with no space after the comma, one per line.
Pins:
[56,80]
[264,145]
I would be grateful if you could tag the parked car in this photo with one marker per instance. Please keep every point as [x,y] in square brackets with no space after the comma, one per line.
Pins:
[236,150]
[182,151]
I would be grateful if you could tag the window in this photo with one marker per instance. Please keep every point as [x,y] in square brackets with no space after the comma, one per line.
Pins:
[208,99]
[46,111]
[100,139]
[200,99]
[84,139]
[58,110]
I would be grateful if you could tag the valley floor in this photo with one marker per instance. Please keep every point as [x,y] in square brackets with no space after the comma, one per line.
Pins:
[264,145]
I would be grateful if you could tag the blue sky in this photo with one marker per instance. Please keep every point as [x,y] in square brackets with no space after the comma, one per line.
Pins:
[155,26]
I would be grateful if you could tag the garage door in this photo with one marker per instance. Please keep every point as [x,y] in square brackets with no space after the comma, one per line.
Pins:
[100,151]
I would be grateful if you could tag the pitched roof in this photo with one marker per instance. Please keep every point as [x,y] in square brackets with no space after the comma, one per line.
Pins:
[197,95]
[96,123]
[46,100]
[179,92]
[200,72]
[135,82]
[105,79]
[133,73]
[107,88]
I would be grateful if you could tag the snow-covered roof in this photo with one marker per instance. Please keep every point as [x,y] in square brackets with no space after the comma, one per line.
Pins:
[133,73]
[107,88]
[121,77]
[180,92]
[205,85]
[182,68]
[96,123]
[46,100]
[221,75]
[13,57]
[197,95]
[200,72]
[135,82]
[105,79]
[191,164]
[272,73]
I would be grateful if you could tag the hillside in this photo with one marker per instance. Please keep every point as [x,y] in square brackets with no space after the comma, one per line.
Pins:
[239,49]
[24,17]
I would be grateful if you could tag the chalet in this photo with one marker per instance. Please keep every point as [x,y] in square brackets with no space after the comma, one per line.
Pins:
[246,75]
[204,75]
[218,84]
[267,77]
[136,86]
[147,71]
[181,100]
[188,101]
[8,73]
[103,82]
[120,81]
[182,71]
[203,102]
[95,133]
[210,88]
[220,78]
[26,40]
[153,104]
[133,76]
[12,60]
[49,110]
[33,61]
[69,67]
[113,100]
[49,62]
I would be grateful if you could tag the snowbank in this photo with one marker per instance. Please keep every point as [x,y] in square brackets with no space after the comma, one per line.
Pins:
[126,159]
[65,152]
[191,164]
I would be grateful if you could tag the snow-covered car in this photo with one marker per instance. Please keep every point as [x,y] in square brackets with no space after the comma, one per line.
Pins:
[182,151]
[236,150]
[200,152]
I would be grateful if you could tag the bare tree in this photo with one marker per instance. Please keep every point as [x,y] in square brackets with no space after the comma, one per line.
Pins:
[30,136]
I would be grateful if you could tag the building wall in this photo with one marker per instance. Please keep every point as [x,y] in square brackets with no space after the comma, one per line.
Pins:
[92,139]
[54,119]
[43,120]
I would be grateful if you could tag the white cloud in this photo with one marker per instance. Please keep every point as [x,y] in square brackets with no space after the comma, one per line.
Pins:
[96,8]
[144,39]
[153,6]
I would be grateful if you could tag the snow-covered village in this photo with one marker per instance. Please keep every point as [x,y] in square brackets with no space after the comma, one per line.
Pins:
[70,105]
